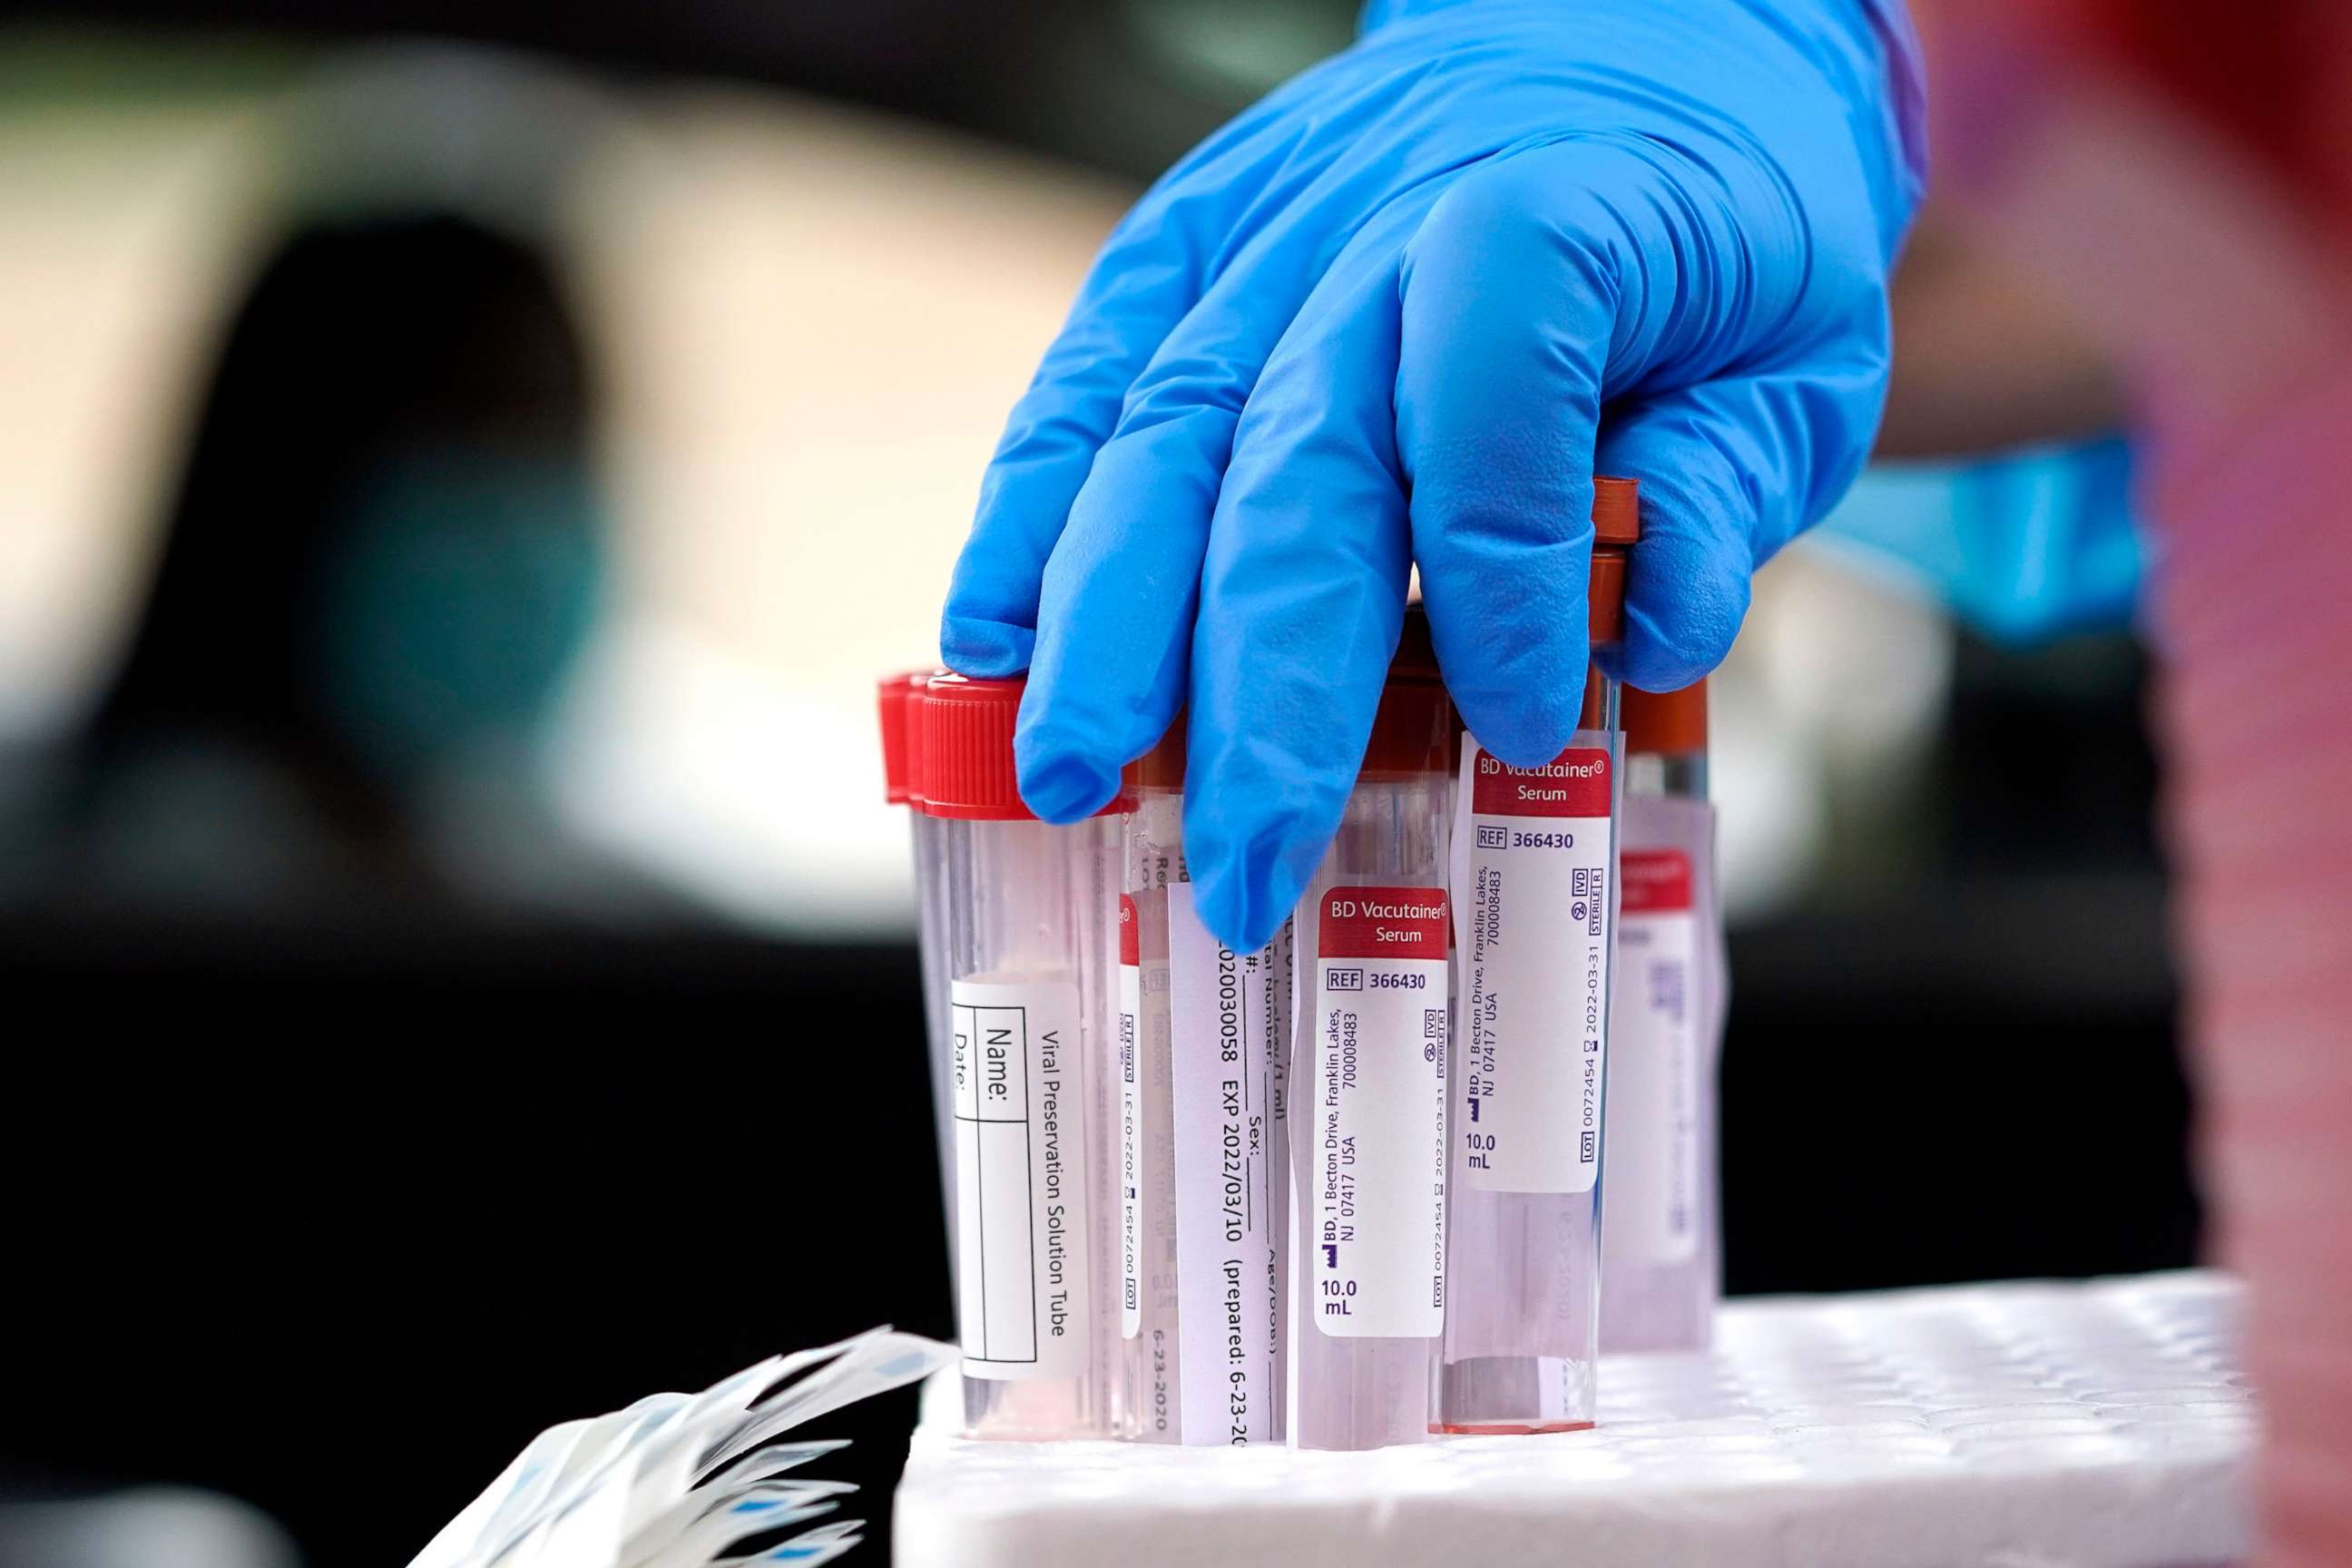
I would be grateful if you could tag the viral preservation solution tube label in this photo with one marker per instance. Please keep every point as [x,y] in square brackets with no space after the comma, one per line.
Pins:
[1020,1178]
[1533,887]
[1228,1179]
[1375,1202]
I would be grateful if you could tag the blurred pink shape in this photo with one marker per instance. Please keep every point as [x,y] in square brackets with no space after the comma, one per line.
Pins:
[2181,169]
[2256,607]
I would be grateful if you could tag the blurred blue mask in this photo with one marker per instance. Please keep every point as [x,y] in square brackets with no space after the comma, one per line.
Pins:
[455,596]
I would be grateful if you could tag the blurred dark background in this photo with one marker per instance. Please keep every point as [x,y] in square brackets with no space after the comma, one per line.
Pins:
[1119,84]
[382,1092]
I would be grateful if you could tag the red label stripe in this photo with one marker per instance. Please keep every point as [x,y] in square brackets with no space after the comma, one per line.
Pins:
[1574,783]
[1382,922]
[1654,881]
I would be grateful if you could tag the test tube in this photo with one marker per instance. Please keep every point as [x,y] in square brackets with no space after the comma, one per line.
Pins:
[1662,1247]
[1535,876]
[897,700]
[1153,857]
[1369,1064]
[1204,1158]
[1029,914]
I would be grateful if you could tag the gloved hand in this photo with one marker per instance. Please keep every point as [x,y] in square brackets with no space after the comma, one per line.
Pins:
[1401,312]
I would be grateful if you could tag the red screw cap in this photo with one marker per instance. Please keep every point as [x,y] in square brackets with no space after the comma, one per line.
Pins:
[893,699]
[966,751]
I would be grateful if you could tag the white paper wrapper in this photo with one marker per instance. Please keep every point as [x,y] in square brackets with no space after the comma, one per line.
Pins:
[678,1481]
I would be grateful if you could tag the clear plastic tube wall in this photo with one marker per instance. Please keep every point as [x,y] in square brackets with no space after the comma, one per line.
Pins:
[1029,913]
[898,700]
[1662,1268]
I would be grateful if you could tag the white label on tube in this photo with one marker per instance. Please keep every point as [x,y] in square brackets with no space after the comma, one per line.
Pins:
[1130,1123]
[1280,1022]
[1229,1282]
[1281,1029]
[1531,884]
[1147,1295]
[1375,1202]
[1653,1092]
[1020,1177]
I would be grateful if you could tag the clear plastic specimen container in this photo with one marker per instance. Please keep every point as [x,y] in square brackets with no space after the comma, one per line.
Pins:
[1029,912]
[1369,1076]
[1662,1243]
[1202,1159]
[1534,893]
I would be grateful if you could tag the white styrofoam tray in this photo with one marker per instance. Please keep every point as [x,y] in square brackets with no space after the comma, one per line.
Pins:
[2013,1426]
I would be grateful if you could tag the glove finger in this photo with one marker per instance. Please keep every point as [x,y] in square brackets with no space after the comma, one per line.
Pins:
[1302,595]
[1248,200]
[1730,470]
[1116,605]
[1118,597]
[1507,315]
[1151,272]
[1626,274]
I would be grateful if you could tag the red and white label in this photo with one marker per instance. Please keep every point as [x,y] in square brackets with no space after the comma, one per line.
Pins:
[1130,934]
[1532,881]
[1383,922]
[1374,1202]
[1147,1197]
[1576,783]
[1130,1119]
[1654,1174]
[1654,882]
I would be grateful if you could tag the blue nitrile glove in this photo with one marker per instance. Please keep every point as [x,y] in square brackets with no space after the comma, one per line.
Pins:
[1376,320]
